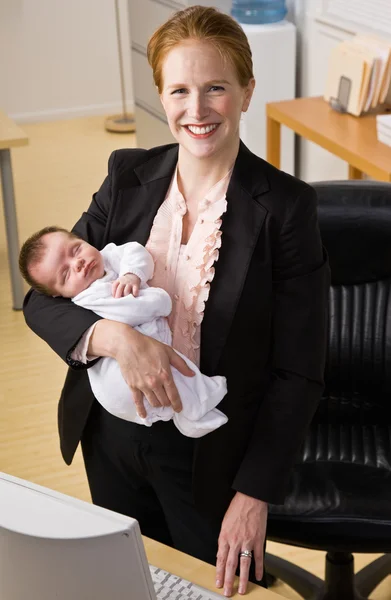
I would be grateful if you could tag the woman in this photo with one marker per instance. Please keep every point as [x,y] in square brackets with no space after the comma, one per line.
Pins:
[261,322]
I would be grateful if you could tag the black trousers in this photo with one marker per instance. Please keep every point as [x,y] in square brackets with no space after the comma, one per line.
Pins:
[146,473]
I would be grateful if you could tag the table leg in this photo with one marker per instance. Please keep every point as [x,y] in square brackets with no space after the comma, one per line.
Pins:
[355,173]
[273,132]
[11,226]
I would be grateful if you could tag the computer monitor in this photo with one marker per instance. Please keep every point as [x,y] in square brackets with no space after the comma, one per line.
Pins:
[54,547]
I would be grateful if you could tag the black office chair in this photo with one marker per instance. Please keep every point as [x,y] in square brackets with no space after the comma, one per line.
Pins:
[339,499]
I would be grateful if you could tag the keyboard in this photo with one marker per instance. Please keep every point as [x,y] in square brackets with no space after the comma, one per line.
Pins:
[171,587]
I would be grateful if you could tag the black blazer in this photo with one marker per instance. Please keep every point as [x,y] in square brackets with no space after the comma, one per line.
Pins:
[264,326]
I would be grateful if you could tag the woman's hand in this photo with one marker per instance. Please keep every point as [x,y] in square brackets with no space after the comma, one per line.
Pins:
[243,528]
[145,363]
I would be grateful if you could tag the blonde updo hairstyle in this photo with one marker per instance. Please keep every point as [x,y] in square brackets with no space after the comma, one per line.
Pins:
[204,24]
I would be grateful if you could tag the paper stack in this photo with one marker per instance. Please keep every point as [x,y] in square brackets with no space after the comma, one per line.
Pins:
[359,74]
[383,129]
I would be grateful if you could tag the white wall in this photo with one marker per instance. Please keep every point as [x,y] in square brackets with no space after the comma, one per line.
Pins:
[59,58]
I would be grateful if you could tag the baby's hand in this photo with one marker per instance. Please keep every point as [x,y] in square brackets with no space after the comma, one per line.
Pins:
[125,285]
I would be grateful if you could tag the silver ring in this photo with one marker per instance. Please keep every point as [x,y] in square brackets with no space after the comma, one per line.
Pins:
[246,554]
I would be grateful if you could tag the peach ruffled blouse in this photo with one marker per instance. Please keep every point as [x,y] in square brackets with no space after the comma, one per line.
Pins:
[186,271]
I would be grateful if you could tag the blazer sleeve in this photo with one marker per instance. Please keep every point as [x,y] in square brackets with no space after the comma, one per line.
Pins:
[301,280]
[58,321]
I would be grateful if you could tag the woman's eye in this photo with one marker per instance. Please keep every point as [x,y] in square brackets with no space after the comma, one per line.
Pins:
[180,91]
[216,88]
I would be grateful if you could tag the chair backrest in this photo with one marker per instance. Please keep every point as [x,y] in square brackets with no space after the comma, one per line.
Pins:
[355,224]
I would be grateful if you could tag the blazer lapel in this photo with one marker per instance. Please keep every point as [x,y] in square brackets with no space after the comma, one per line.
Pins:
[139,205]
[241,226]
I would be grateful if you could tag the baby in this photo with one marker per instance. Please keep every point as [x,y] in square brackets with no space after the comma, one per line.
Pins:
[113,284]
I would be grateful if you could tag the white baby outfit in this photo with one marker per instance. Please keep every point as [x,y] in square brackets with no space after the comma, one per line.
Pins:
[147,313]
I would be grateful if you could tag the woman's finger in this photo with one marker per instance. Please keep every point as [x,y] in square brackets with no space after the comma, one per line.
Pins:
[152,398]
[173,394]
[161,395]
[245,563]
[258,558]
[230,570]
[138,399]
[180,364]
[221,560]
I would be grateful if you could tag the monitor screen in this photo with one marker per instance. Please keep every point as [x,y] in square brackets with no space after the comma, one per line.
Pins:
[54,547]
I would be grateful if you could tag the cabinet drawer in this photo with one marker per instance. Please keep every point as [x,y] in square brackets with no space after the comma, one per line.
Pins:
[145,92]
[147,15]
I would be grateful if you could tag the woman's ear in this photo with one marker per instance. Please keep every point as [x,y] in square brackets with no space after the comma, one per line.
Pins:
[249,90]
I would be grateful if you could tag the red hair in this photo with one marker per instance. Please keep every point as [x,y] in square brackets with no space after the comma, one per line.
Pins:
[204,24]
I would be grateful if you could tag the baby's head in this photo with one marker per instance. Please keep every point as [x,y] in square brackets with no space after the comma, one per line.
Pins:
[56,262]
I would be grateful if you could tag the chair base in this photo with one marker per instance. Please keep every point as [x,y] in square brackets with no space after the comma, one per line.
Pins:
[340,582]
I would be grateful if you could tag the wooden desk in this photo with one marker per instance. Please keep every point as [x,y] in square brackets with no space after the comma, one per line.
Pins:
[195,570]
[10,136]
[351,138]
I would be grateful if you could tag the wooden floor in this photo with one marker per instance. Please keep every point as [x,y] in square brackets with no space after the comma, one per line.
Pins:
[55,177]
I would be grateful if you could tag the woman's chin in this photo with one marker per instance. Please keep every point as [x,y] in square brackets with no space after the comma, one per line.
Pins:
[205,148]
[200,149]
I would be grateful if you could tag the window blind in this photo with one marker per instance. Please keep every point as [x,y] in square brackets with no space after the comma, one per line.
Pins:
[373,14]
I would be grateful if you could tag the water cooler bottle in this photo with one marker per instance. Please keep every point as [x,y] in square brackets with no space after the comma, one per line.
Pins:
[273,44]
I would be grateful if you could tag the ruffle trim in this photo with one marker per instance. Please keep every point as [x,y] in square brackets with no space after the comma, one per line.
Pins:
[196,290]
[203,251]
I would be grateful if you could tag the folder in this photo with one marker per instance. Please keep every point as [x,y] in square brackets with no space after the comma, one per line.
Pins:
[347,74]
[359,74]
[384,50]
[371,56]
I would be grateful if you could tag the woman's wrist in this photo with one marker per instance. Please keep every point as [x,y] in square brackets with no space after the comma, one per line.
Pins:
[110,338]
[250,499]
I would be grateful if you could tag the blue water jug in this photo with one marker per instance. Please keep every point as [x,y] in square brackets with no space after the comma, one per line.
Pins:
[258,11]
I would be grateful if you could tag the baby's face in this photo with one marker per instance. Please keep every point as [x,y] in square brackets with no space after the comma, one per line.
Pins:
[68,266]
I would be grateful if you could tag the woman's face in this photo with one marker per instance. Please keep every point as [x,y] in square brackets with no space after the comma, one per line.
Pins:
[203,99]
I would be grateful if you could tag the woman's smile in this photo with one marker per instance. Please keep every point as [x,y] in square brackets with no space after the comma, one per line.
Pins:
[201,131]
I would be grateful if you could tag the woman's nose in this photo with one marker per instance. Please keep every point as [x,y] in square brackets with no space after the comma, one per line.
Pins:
[197,108]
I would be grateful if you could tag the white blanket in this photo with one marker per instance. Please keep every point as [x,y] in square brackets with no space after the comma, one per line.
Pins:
[147,313]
